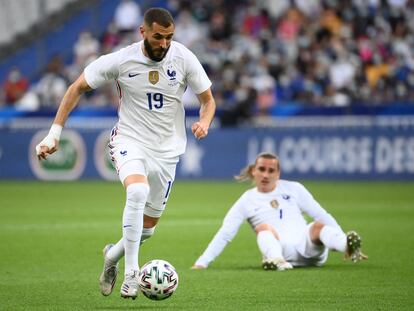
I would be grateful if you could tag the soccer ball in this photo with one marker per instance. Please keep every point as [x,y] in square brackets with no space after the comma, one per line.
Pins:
[158,279]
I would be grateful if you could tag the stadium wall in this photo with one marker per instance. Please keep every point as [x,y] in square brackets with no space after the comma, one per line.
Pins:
[354,148]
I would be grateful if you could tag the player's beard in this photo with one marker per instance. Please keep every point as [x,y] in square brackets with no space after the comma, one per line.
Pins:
[155,54]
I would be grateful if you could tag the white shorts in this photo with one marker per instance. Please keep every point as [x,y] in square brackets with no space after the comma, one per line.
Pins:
[130,158]
[305,252]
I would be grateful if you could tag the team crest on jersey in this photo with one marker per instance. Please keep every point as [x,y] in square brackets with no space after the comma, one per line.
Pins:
[171,72]
[153,76]
[172,75]
[274,203]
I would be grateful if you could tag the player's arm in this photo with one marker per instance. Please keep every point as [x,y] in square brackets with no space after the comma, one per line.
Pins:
[207,110]
[310,206]
[71,98]
[231,224]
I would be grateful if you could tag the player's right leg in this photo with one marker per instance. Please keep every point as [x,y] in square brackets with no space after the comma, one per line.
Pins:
[137,192]
[131,165]
[269,246]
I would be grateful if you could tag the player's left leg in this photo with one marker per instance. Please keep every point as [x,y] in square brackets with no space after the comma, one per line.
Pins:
[150,224]
[109,274]
[130,163]
[353,250]
[271,249]
[335,239]
[114,252]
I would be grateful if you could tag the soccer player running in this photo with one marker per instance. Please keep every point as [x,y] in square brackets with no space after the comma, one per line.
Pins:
[145,144]
[274,210]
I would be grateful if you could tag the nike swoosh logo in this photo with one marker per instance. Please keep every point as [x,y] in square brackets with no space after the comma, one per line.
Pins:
[126,226]
[131,75]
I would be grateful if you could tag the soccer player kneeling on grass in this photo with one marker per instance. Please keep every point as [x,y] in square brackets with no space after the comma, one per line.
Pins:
[145,145]
[274,210]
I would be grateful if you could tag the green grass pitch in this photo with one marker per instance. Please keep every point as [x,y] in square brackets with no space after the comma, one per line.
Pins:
[52,234]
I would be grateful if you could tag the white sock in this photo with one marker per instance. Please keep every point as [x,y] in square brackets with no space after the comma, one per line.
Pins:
[333,238]
[147,233]
[269,246]
[116,252]
[133,219]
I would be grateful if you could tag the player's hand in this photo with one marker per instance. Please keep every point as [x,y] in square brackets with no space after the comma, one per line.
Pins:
[199,129]
[50,143]
[46,147]
[198,267]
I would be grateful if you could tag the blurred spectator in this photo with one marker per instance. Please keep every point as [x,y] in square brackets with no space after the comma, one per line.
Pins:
[255,21]
[241,112]
[110,39]
[52,86]
[219,26]
[127,17]
[29,102]
[14,87]
[275,8]
[265,87]
[86,47]
[187,30]
[262,53]
[311,8]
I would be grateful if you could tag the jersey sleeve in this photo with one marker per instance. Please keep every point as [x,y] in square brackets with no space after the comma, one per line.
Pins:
[231,224]
[102,70]
[196,76]
[310,206]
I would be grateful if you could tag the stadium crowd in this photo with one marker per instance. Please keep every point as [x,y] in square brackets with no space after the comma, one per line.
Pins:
[260,54]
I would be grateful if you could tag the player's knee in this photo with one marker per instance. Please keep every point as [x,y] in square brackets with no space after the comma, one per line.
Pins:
[149,221]
[137,192]
[267,227]
[315,232]
[263,227]
[316,228]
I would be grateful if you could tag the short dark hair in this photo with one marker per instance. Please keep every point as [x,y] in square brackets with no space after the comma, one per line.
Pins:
[158,15]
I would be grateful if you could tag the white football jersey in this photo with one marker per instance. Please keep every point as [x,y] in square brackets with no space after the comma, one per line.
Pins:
[282,208]
[150,107]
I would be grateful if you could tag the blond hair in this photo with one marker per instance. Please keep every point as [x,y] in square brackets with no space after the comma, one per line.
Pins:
[247,172]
